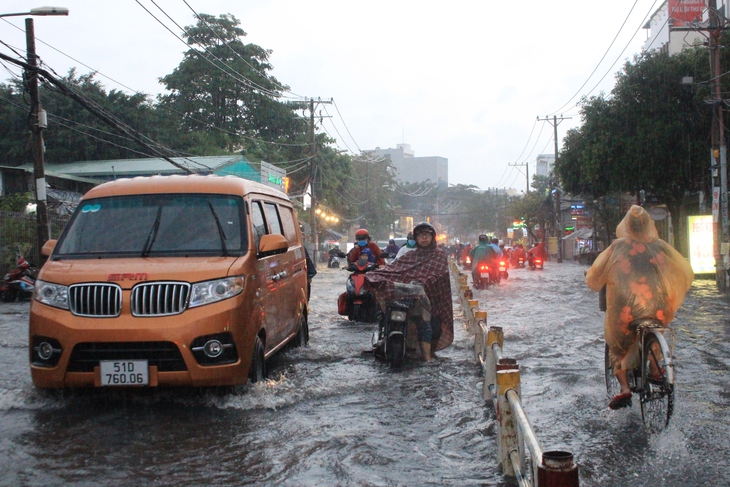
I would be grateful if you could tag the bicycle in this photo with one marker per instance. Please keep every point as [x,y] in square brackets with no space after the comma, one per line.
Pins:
[655,389]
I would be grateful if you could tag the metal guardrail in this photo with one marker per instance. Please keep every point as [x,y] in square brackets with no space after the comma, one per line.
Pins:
[520,454]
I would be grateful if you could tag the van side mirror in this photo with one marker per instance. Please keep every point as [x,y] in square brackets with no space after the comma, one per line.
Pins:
[272,244]
[48,247]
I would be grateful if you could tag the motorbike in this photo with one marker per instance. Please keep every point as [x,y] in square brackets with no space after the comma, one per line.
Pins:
[357,302]
[535,263]
[520,262]
[485,275]
[19,283]
[503,274]
[467,263]
[334,261]
[397,332]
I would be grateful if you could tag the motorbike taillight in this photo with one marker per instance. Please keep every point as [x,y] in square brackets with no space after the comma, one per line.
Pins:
[484,267]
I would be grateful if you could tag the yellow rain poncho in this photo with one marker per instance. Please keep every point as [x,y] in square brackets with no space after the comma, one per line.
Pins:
[645,277]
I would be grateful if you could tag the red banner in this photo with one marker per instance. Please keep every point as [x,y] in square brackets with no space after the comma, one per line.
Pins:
[685,11]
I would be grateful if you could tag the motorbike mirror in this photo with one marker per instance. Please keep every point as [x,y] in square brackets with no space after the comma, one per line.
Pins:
[48,247]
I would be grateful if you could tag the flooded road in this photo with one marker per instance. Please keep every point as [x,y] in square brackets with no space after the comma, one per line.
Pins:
[332,415]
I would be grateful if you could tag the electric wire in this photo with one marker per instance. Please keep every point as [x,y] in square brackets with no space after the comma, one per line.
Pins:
[601,60]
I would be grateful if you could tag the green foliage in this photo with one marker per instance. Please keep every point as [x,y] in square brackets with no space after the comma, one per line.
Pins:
[651,133]
[16,202]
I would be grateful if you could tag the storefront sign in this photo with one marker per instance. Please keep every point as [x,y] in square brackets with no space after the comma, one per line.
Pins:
[701,254]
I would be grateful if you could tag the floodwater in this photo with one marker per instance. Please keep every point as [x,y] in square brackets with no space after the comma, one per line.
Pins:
[330,414]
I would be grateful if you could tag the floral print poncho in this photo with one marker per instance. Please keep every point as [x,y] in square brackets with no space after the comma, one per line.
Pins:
[645,277]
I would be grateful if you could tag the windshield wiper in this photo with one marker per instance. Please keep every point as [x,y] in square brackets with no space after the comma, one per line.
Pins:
[221,233]
[153,233]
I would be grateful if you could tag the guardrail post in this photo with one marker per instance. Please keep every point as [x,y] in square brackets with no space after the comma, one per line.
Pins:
[472,304]
[557,470]
[494,335]
[508,429]
[481,324]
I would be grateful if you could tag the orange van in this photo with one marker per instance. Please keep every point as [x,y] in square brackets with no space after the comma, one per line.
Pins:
[169,281]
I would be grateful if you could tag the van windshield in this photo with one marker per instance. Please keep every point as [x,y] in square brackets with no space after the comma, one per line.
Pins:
[156,225]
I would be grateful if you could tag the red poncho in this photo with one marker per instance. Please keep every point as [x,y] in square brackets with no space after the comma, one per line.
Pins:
[429,267]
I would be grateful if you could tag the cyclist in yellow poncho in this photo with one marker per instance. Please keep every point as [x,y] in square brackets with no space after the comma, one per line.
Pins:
[645,277]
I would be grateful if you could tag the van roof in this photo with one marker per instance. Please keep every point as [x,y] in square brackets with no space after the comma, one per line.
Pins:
[194,183]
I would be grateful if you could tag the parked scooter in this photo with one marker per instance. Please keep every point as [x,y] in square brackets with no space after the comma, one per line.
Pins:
[19,283]
[485,275]
[398,330]
[357,302]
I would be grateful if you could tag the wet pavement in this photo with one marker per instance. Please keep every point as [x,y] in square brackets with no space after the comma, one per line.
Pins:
[330,414]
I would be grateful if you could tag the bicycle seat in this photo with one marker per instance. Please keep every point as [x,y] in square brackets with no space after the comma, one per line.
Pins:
[645,323]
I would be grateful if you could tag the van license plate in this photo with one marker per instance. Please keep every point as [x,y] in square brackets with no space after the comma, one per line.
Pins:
[124,373]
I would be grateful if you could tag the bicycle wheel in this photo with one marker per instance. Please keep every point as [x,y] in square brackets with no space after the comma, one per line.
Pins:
[612,385]
[657,397]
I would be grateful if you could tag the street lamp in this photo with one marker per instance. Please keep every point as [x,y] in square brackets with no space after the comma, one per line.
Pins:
[37,123]
[41,11]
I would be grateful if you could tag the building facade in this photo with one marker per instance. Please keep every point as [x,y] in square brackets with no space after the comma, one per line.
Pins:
[412,169]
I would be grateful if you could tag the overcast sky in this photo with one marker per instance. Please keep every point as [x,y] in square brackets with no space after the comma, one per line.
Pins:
[464,80]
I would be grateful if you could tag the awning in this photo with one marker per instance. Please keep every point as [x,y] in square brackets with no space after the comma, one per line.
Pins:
[335,235]
[581,233]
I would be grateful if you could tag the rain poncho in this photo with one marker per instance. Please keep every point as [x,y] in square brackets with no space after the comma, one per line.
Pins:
[429,267]
[483,251]
[644,276]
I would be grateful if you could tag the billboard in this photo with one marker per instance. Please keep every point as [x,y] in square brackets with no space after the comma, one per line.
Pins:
[701,244]
[682,12]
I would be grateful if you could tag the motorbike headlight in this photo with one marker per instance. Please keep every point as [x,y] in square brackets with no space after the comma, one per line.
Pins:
[397,315]
[51,294]
[207,292]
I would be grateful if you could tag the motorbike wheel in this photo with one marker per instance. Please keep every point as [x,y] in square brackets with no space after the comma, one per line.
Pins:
[10,295]
[395,350]
[356,312]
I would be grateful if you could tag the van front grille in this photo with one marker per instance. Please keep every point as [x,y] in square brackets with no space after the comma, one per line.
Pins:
[165,355]
[160,298]
[95,299]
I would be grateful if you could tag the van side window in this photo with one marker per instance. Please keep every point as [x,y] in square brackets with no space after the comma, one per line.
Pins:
[272,217]
[287,222]
[258,223]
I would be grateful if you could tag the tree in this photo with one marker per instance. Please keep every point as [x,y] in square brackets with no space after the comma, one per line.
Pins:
[650,134]
[222,89]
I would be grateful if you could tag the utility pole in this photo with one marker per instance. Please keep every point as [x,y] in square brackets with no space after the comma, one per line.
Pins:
[314,237]
[37,124]
[527,175]
[559,229]
[719,150]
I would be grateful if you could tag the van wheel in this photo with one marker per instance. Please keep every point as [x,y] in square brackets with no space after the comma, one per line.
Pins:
[257,372]
[302,338]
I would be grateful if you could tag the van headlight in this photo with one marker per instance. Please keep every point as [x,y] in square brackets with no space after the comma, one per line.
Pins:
[212,291]
[51,294]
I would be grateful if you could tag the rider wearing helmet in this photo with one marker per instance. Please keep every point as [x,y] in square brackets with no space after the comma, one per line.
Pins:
[409,245]
[484,251]
[428,265]
[362,242]
[392,247]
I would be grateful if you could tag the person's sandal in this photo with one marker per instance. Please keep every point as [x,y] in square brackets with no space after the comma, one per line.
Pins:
[620,401]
